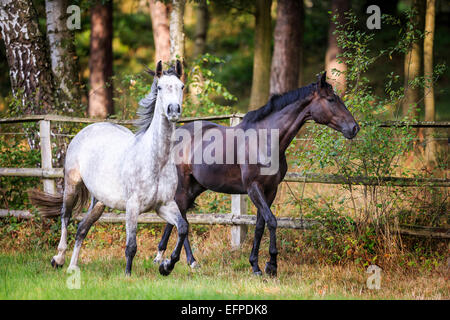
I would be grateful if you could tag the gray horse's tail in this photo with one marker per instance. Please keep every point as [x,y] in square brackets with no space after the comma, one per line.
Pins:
[50,205]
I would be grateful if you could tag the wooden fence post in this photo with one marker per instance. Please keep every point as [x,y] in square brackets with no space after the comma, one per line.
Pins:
[238,207]
[46,154]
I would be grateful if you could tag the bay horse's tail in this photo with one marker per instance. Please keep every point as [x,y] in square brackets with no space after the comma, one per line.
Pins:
[50,205]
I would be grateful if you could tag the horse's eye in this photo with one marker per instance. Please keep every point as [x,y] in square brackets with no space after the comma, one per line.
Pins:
[182,87]
[159,88]
[330,99]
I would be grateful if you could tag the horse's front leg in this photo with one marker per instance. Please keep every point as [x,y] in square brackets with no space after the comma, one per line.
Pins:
[262,203]
[162,246]
[132,212]
[172,215]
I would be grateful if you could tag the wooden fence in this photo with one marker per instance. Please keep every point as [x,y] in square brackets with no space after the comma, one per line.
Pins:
[238,217]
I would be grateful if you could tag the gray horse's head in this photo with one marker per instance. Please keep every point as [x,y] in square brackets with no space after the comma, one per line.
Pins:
[165,97]
[169,91]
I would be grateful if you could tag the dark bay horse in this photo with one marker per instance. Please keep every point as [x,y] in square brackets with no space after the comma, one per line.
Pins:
[283,113]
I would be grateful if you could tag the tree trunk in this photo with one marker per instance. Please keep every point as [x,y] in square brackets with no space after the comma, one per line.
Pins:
[428,74]
[62,54]
[262,55]
[26,52]
[287,43]
[159,13]
[100,61]
[412,66]
[201,28]
[177,30]
[336,80]
[300,53]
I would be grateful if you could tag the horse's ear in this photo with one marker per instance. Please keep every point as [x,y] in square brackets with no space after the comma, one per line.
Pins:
[179,68]
[150,71]
[323,80]
[159,69]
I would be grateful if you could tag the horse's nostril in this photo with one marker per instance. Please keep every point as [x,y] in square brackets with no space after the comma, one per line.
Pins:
[178,108]
[355,129]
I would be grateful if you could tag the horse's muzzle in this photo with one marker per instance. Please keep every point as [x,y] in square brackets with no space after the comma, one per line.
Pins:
[351,131]
[173,112]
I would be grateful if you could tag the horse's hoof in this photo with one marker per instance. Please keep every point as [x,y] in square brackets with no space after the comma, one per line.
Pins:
[164,268]
[257,273]
[271,270]
[194,265]
[55,265]
[159,257]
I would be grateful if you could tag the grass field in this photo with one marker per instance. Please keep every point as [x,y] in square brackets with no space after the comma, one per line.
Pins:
[25,273]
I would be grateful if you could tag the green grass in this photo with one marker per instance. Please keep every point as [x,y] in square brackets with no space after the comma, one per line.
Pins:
[30,276]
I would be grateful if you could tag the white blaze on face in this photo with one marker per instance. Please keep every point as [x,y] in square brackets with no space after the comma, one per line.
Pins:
[170,93]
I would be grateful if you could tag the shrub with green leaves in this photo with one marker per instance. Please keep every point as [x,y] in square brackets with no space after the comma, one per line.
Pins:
[207,96]
[13,153]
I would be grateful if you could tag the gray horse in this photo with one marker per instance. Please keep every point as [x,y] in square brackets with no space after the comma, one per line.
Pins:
[125,171]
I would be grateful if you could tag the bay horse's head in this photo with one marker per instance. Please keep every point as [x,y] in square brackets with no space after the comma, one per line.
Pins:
[169,90]
[328,108]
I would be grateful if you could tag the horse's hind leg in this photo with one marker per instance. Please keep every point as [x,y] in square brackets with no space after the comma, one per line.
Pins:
[132,212]
[95,211]
[263,201]
[72,184]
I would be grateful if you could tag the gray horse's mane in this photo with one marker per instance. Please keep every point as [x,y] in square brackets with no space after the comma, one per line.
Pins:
[148,103]
[146,109]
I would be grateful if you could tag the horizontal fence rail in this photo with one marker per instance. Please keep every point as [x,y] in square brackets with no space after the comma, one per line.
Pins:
[54,173]
[367,181]
[237,220]
[58,118]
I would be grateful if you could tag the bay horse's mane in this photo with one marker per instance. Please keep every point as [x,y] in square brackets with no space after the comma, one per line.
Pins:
[278,102]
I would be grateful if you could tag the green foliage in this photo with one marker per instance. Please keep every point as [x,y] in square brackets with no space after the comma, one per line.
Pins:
[337,236]
[209,96]
[14,153]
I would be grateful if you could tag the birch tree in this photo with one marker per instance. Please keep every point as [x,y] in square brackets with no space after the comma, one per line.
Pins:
[26,53]
[176,30]
[62,54]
